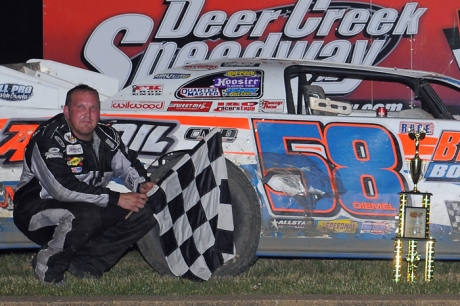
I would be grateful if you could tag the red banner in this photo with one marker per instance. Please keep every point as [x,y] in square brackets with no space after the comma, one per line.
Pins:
[131,39]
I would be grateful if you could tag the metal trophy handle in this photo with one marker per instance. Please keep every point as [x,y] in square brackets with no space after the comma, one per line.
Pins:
[416,164]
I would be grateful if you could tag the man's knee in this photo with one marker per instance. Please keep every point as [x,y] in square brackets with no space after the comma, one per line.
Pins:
[86,221]
[144,216]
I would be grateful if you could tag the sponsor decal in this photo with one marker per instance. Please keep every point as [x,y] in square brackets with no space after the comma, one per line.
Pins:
[372,206]
[240,82]
[449,172]
[143,105]
[453,211]
[240,92]
[197,133]
[236,106]
[130,181]
[376,228]
[75,161]
[232,83]
[74,149]
[280,224]
[147,90]
[76,169]
[444,165]
[53,153]
[272,106]
[59,141]
[70,138]
[391,107]
[15,92]
[7,189]
[199,92]
[242,73]
[338,226]
[182,106]
[405,127]
[240,64]
[14,136]
[171,76]
[110,143]
[200,67]
[147,137]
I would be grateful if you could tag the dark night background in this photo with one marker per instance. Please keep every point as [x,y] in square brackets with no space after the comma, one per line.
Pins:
[21,29]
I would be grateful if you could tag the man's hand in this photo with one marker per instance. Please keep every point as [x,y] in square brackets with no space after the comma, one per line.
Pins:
[145,187]
[132,201]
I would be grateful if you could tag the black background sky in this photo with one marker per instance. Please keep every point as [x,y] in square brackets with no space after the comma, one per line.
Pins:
[21,30]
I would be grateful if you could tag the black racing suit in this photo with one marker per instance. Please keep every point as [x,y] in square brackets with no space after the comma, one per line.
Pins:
[63,204]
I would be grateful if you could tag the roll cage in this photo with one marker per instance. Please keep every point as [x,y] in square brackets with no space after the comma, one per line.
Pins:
[309,85]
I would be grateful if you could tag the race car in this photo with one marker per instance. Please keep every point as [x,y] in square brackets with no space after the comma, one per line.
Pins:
[318,153]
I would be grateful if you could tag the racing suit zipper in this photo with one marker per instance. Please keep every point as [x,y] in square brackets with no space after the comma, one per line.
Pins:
[96,173]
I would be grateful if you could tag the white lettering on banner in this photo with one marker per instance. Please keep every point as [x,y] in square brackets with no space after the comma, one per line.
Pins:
[297,17]
[297,22]
[102,54]
[409,20]
[177,23]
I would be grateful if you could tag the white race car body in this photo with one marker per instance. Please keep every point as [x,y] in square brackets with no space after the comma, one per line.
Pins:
[328,172]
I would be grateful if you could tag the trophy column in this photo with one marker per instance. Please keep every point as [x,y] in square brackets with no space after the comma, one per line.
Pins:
[414,224]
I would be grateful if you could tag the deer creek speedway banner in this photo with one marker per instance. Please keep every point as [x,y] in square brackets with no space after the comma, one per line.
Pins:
[132,39]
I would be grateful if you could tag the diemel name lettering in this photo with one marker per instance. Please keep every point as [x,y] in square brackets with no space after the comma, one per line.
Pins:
[372,206]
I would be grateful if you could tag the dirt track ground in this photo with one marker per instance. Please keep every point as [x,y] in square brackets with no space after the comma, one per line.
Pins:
[316,300]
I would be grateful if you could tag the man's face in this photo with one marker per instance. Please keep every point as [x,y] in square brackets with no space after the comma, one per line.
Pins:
[83,114]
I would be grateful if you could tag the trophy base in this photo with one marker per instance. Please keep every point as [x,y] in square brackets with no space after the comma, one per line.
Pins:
[417,192]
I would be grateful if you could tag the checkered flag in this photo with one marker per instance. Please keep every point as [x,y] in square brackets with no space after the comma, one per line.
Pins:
[192,206]
[453,210]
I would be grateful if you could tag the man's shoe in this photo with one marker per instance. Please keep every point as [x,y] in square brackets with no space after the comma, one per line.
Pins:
[79,273]
[33,263]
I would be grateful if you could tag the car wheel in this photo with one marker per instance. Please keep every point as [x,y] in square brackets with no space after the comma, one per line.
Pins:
[247,223]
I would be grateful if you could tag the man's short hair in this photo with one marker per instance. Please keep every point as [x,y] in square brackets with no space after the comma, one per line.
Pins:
[82,88]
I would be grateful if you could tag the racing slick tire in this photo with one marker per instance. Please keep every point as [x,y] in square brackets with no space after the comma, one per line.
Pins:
[246,234]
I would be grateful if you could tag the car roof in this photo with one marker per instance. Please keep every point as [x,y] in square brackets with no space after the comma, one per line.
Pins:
[272,62]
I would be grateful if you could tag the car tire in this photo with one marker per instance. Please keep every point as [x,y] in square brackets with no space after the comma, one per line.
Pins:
[247,224]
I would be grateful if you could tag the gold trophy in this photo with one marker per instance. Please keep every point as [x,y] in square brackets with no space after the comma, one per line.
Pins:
[414,222]
[416,164]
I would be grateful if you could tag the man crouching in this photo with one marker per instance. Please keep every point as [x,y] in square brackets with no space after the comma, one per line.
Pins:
[62,202]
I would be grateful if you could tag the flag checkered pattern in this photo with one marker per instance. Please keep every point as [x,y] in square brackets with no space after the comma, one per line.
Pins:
[453,210]
[192,206]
